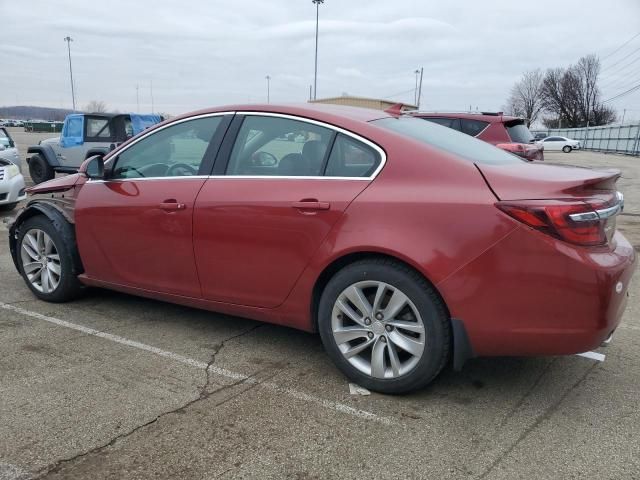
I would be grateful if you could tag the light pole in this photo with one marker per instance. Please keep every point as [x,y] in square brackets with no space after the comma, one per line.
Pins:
[415,92]
[73,94]
[268,79]
[315,74]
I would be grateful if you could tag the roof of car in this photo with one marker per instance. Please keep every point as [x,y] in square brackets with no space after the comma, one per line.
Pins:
[489,117]
[316,111]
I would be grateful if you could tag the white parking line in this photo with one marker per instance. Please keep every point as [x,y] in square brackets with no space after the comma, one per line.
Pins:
[593,356]
[331,405]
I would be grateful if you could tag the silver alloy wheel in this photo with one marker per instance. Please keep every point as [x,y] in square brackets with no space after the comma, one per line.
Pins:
[40,261]
[378,329]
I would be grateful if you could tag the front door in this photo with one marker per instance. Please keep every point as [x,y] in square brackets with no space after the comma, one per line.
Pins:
[258,223]
[135,227]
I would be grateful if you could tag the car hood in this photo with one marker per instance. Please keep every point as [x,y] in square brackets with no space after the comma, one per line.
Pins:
[50,140]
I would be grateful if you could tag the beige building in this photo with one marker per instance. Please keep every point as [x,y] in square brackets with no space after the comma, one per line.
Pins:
[363,102]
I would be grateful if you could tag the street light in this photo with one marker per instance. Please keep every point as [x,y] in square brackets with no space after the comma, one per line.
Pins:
[315,75]
[73,95]
[268,79]
[415,93]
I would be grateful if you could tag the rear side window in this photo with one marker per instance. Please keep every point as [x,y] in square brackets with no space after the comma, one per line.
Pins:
[351,158]
[448,140]
[445,122]
[518,132]
[473,127]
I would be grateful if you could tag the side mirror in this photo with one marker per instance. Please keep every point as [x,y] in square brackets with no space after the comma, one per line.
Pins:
[93,167]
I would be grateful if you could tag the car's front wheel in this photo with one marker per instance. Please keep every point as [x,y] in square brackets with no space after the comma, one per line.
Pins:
[384,326]
[40,170]
[46,260]
[567,149]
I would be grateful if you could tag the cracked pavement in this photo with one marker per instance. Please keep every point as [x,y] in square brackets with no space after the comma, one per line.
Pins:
[75,405]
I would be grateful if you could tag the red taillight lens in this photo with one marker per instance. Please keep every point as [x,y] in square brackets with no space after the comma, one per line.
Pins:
[554,217]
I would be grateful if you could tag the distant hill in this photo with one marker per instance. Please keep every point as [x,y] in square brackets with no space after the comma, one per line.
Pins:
[39,113]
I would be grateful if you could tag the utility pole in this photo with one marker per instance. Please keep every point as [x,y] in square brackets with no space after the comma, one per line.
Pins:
[137,98]
[420,89]
[310,92]
[624,113]
[315,73]
[73,93]
[415,92]
[268,79]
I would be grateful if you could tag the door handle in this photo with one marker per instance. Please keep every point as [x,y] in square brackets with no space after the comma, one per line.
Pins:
[311,205]
[172,206]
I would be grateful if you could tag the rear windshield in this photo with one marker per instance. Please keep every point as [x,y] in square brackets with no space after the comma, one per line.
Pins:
[518,131]
[448,139]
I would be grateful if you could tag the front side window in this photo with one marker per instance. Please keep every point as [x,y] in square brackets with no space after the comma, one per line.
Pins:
[177,150]
[351,158]
[275,146]
[4,138]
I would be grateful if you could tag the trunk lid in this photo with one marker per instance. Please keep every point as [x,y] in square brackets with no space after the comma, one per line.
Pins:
[519,181]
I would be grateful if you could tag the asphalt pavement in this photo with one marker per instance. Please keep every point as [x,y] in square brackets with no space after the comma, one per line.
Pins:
[115,386]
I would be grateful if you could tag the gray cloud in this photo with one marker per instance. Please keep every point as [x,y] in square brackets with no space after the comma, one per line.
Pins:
[208,53]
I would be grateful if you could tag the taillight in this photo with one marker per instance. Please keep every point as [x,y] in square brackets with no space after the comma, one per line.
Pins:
[581,222]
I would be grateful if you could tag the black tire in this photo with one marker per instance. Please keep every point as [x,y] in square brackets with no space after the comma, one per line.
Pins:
[428,303]
[39,169]
[567,149]
[7,207]
[63,237]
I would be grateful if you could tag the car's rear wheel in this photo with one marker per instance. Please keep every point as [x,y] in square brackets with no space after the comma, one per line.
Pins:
[384,326]
[39,169]
[567,149]
[46,261]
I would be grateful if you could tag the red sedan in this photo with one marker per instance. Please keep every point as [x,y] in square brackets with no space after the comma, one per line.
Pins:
[405,244]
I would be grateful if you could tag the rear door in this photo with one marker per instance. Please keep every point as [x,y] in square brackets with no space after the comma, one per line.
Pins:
[280,185]
[553,143]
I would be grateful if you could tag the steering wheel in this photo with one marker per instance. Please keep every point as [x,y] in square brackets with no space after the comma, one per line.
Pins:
[181,170]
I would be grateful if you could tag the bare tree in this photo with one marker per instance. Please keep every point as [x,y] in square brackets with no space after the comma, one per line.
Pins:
[525,99]
[96,106]
[572,95]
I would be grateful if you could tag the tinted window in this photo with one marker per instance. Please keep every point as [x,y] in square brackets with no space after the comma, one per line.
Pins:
[274,146]
[174,151]
[518,132]
[472,127]
[554,139]
[351,158]
[448,140]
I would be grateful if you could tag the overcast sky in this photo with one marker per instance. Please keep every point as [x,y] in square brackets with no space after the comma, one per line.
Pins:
[205,53]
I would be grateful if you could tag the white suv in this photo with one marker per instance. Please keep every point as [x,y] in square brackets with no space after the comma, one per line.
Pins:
[11,179]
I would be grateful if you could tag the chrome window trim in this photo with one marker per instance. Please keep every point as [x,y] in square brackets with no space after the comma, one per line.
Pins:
[602,213]
[377,148]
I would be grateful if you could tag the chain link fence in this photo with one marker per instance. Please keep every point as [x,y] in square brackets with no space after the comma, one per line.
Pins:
[609,138]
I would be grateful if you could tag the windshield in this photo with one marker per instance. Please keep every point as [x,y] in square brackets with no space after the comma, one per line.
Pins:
[518,132]
[448,139]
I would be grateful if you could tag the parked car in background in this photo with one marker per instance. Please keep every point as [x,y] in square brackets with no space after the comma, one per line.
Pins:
[556,143]
[405,244]
[508,133]
[539,136]
[11,179]
[82,136]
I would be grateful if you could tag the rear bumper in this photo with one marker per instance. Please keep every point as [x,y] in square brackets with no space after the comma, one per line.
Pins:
[534,295]
[12,190]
